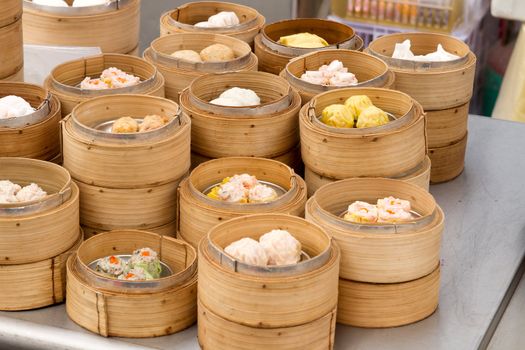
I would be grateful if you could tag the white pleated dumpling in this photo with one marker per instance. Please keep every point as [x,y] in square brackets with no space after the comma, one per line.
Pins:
[247,250]
[281,247]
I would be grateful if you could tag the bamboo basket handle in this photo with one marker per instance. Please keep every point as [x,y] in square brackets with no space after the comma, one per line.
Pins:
[102,315]
[311,110]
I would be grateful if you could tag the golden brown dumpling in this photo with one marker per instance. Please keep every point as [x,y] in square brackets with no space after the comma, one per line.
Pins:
[217,52]
[187,55]
[356,104]
[372,116]
[152,122]
[337,115]
[304,40]
[125,125]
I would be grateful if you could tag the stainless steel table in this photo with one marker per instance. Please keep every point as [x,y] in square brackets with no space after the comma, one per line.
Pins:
[482,251]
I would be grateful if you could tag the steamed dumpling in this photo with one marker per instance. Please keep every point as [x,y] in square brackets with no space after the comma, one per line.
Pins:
[357,103]
[237,97]
[187,55]
[372,116]
[304,40]
[337,115]
[361,212]
[125,125]
[217,52]
[281,247]
[402,51]
[57,3]
[30,193]
[247,250]
[13,106]
[8,191]
[152,122]
[219,20]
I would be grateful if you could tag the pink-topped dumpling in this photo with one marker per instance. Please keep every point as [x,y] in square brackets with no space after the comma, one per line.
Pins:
[243,188]
[393,215]
[393,203]
[110,78]
[362,212]
[261,193]
[93,84]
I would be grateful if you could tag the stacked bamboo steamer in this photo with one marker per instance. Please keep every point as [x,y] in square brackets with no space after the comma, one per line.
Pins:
[36,135]
[395,150]
[135,309]
[126,181]
[180,73]
[444,89]
[64,80]
[37,236]
[369,71]
[198,213]
[11,41]
[274,56]
[268,130]
[183,18]
[389,273]
[114,27]
[244,306]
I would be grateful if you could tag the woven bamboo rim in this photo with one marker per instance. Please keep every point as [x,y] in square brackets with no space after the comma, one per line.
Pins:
[108,209]
[64,78]
[48,25]
[394,252]
[181,20]
[372,305]
[390,151]
[168,230]
[420,177]
[448,161]
[12,53]
[215,332]
[11,12]
[126,163]
[268,130]
[198,214]
[39,140]
[267,301]
[447,126]
[179,73]
[438,85]
[137,315]
[37,284]
[369,71]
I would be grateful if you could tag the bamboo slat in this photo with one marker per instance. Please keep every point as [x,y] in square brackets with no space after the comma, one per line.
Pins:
[447,126]
[168,230]
[448,161]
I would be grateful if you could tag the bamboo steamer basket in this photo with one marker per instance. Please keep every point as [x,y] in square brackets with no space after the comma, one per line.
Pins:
[133,309]
[37,135]
[134,52]
[376,305]
[64,79]
[380,253]
[274,296]
[218,333]
[108,209]
[436,85]
[183,18]
[392,150]
[11,12]
[36,284]
[104,159]
[17,77]
[179,73]
[273,56]
[267,130]
[447,126]
[169,230]
[448,161]
[420,177]
[369,71]
[12,52]
[39,229]
[114,27]
[198,213]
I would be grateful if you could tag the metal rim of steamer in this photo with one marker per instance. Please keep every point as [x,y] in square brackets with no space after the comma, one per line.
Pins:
[218,30]
[419,66]
[111,5]
[26,208]
[40,114]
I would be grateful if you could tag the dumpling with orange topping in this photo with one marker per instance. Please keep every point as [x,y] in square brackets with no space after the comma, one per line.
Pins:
[147,259]
[362,213]
[112,265]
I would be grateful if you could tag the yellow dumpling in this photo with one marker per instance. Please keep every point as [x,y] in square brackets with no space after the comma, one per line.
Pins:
[372,116]
[356,104]
[337,115]
[305,40]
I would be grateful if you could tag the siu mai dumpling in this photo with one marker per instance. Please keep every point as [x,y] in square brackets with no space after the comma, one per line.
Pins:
[304,40]
[247,250]
[372,116]
[357,103]
[281,247]
[362,213]
[337,115]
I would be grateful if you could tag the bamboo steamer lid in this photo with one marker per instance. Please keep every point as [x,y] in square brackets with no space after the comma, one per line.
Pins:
[169,230]
[420,177]
[65,78]
[380,253]
[113,27]
[392,150]
[104,159]
[11,12]
[369,71]
[448,161]
[447,126]
[39,229]
[179,73]
[218,333]
[183,18]
[36,135]
[274,56]
[198,213]
[377,305]
[132,309]
[12,52]
[36,284]
[267,130]
[273,296]
[435,85]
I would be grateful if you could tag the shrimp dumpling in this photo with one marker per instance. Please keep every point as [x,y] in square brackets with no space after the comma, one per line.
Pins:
[187,55]
[372,116]
[217,53]
[125,125]
[337,115]
[247,250]
[281,247]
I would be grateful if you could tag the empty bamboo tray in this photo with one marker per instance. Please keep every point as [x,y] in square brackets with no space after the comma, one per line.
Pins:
[135,309]
[198,213]
[183,18]
[267,130]
[114,27]
[369,71]
[64,80]
[12,51]
[274,56]
[36,135]
[448,162]
[256,303]
[180,73]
